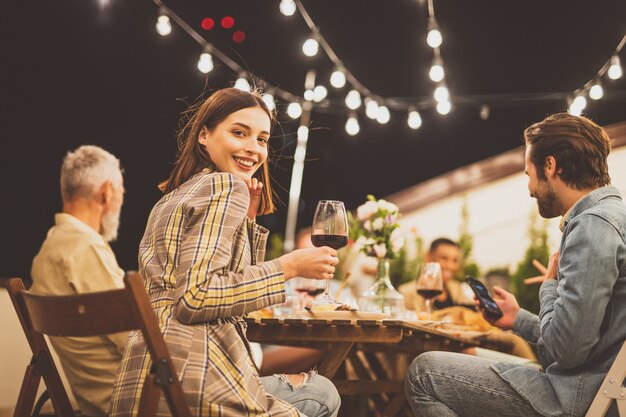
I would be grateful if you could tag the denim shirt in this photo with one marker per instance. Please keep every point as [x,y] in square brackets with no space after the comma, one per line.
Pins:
[582,320]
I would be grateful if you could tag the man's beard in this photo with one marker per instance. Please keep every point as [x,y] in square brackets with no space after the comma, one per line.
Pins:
[547,202]
[109,225]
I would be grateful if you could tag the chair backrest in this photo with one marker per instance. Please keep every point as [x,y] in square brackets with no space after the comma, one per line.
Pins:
[89,315]
[612,388]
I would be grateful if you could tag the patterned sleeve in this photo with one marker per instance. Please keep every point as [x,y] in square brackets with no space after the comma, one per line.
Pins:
[206,289]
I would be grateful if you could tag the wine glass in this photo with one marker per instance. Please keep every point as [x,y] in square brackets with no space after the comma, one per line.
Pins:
[330,228]
[430,283]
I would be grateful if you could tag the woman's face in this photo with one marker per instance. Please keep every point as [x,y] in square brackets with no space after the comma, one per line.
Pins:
[239,144]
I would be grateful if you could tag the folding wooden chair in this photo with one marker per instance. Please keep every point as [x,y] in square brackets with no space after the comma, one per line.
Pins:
[89,315]
[611,389]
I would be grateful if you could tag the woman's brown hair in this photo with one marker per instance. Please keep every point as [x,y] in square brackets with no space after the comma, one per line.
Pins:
[193,158]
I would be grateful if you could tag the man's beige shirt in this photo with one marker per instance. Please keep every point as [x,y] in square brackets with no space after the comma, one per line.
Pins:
[73,259]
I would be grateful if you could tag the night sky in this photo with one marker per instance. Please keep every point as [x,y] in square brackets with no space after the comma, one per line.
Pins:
[75,73]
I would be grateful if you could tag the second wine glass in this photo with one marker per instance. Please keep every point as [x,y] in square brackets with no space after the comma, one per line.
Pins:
[330,228]
[430,283]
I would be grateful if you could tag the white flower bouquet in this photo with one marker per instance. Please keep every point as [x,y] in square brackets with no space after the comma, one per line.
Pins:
[375,230]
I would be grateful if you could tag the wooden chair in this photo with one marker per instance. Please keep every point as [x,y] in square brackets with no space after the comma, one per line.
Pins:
[611,389]
[89,315]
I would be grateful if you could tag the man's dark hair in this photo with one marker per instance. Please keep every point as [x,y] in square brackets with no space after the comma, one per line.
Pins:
[442,241]
[579,146]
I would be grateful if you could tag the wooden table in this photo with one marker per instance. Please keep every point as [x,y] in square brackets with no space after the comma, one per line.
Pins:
[367,349]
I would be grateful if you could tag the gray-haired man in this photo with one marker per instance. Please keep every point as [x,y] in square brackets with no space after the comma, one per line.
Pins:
[76,258]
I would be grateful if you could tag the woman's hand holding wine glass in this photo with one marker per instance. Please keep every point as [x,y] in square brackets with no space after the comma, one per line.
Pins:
[330,229]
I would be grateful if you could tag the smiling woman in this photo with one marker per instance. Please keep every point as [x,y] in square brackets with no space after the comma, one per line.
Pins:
[202,261]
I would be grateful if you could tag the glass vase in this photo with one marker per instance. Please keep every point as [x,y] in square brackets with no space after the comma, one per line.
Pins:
[382,297]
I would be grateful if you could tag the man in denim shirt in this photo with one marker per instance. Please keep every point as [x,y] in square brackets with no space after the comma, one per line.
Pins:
[581,323]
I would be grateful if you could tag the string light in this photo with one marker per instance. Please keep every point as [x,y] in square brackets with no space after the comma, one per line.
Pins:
[578,105]
[163,26]
[242,84]
[269,101]
[308,95]
[310,47]
[294,110]
[436,72]
[205,63]
[615,70]
[287,7]
[443,107]
[319,93]
[353,100]
[341,76]
[484,112]
[352,125]
[434,38]
[371,108]
[383,115]
[441,93]
[596,92]
[414,120]
[338,78]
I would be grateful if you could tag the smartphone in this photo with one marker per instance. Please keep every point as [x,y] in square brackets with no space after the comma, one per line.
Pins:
[486,302]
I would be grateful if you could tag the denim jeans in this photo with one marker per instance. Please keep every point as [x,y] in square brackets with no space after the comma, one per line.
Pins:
[317,397]
[443,384]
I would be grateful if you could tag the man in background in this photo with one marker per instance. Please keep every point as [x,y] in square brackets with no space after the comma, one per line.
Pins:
[448,254]
[76,258]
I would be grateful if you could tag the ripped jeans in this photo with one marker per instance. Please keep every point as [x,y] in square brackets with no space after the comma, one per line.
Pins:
[316,397]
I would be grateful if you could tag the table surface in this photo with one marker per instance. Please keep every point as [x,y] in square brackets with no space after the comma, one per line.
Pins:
[369,350]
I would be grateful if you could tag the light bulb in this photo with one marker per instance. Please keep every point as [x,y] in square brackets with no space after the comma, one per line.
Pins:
[338,79]
[436,73]
[310,47]
[596,92]
[580,101]
[319,93]
[294,110]
[441,93]
[444,107]
[352,126]
[308,95]
[287,7]
[383,115]
[163,26]
[269,101]
[205,63]
[414,120]
[434,38]
[484,112]
[371,108]
[242,84]
[353,100]
[575,111]
[615,70]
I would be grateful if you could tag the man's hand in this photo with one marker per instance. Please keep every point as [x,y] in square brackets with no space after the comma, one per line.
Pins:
[547,273]
[255,187]
[509,306]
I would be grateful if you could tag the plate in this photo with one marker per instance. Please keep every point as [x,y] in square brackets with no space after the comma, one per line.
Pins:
[343,315]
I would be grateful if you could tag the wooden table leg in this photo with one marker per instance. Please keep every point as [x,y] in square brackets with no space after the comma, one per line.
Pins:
[333,359]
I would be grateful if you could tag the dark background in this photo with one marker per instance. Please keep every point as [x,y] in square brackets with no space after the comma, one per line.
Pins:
[76,73]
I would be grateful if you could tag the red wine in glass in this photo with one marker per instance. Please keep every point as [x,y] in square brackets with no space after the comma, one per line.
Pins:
[312,292]
[334,241]
[330,228]
[429,294]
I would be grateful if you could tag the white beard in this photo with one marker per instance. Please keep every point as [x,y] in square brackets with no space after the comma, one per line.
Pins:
[109,225]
